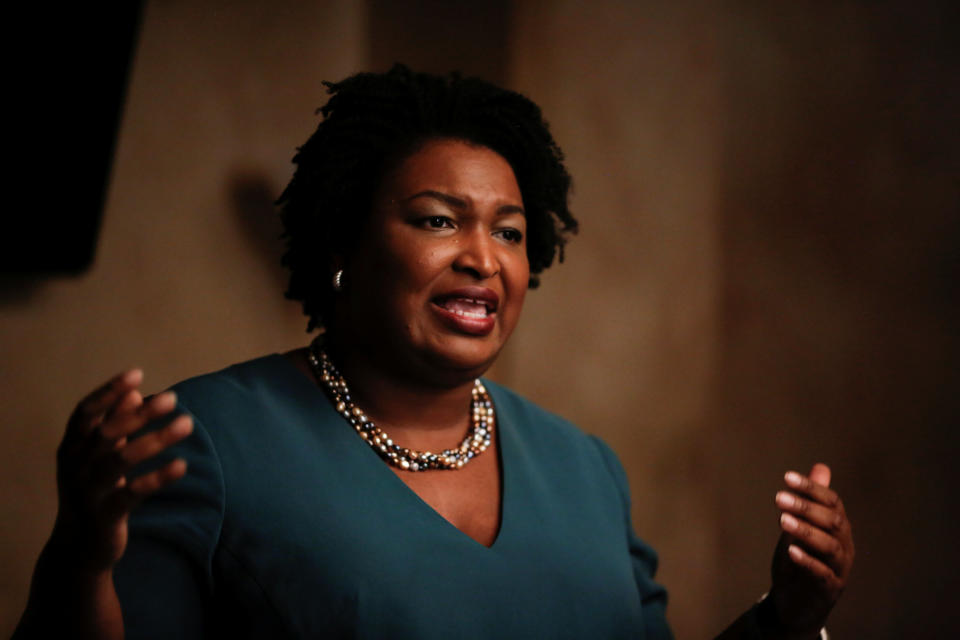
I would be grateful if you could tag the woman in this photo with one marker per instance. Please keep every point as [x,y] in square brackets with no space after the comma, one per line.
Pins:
[274,499]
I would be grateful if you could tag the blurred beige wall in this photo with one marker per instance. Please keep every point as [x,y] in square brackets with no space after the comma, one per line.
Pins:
[840,236]
[622,338]
[764,277]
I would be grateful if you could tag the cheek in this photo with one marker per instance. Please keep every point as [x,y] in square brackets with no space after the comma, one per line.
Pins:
[518,304]
[518,281]
[408,278]
[411,265]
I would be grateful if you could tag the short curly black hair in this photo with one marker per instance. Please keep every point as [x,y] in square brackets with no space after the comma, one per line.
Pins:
[371,122]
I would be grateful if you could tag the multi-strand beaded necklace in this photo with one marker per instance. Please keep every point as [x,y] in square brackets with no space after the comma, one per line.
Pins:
[476,441]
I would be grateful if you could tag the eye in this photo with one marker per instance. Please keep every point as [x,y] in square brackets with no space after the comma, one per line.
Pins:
[513,236]
[436,222]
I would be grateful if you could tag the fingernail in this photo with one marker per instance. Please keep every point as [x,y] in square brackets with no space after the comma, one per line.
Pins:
[785,499]
[181,426]
[133,376]
[793,478]
[795,552]
[788,521]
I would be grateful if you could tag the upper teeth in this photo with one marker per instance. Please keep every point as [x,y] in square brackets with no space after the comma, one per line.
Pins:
[474,308]
[468,314]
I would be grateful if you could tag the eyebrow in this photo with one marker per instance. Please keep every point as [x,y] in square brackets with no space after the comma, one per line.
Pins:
[459,203]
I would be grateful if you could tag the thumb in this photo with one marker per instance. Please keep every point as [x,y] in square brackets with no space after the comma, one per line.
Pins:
[820,473]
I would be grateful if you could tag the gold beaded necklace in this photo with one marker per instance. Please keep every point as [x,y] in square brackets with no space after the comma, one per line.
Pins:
[476,441]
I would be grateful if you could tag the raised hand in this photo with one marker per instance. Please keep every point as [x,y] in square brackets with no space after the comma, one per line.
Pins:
[72,592]
[93,463]
[814,556]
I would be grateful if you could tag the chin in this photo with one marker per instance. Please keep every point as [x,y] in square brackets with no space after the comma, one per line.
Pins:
[466,357]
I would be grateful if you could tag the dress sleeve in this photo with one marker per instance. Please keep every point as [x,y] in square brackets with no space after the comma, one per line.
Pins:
[164,580]
[653,597]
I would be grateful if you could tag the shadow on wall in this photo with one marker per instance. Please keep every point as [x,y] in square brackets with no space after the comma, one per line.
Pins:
[252,196]
[17,290]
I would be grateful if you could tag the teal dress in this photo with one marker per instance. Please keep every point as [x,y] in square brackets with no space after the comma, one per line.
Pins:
[287,525]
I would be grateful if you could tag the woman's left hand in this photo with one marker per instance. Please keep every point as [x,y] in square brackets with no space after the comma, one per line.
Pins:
[813,558]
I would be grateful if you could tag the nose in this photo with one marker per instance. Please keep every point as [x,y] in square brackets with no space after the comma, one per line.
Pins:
[478,256]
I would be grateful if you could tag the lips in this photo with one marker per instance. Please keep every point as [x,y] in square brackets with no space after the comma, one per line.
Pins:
[470,310]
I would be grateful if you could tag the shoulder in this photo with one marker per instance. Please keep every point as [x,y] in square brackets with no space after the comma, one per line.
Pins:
[249,401]
[525,414]
[241,377]
[568,443]
[255,381]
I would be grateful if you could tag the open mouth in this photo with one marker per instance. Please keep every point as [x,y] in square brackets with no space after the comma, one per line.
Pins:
[466,307]
[470,310]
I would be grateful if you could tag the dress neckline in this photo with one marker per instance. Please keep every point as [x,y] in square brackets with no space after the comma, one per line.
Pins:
[389,481]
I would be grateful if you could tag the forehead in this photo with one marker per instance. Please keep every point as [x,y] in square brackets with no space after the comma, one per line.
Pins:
[457,168]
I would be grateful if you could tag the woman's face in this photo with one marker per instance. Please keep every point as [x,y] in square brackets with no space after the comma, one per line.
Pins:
[437,280]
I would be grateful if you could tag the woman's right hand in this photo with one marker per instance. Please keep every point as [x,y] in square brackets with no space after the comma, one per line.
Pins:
[96,494]
[72,592]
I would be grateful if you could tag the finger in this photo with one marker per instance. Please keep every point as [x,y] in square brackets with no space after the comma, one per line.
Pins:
[811,489]
[90,410]
[101,439]
[144,485]
[124,422]
[117,457]
[105,473]
[129,403]
[155,442]
[820,474]
[118,504]
[814,567]
[83,450]
[828,518]
[815,542]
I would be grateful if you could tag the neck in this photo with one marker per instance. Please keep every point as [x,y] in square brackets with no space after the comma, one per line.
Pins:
[417,412]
